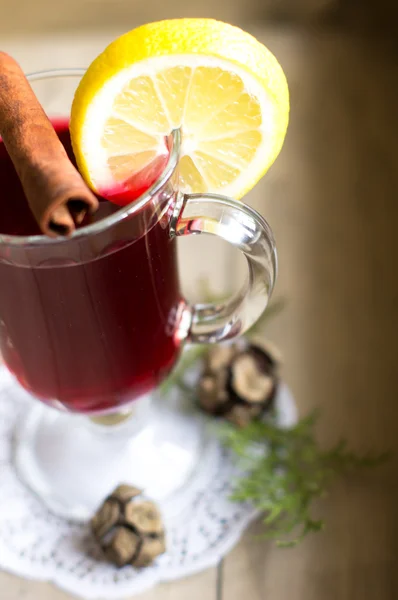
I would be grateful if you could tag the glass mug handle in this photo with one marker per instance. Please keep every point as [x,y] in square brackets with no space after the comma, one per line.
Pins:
[245,229]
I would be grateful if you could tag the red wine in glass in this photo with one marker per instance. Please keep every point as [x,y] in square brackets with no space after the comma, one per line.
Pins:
[90,335]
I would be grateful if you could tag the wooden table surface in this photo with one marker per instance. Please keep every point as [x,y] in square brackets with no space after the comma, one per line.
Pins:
[331,199]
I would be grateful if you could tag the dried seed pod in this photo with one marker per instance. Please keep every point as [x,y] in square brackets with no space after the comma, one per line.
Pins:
[122,546]
[220,357]
[248,381]
[124,492]
[129,528]
[239,383]
[105,518]
[150,547]
[144,516]
[270,349]
[213,393]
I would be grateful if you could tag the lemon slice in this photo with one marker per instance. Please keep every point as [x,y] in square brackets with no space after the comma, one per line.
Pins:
[222,88]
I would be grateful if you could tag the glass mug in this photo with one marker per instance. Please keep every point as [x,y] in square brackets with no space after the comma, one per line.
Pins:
[103,322]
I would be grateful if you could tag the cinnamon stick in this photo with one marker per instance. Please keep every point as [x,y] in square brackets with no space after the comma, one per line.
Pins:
[55,190]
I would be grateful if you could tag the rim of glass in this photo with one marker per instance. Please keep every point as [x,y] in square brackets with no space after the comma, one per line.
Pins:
[106,222]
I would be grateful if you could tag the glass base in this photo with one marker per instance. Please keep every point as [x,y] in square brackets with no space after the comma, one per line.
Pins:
[72,462]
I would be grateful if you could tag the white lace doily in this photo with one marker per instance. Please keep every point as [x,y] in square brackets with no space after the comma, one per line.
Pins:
[202,524]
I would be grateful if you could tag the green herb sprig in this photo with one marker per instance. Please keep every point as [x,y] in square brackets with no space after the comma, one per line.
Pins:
[285,471]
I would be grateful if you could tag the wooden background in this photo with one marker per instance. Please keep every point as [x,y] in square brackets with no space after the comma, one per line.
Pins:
[331,199]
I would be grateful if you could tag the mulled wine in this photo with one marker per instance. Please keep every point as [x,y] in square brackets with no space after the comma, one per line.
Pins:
[93,325]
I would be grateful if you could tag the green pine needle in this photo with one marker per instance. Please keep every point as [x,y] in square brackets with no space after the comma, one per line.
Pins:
[286,471]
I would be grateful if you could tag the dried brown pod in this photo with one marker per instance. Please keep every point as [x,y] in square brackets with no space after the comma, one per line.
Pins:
[239,383]
[129,528]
